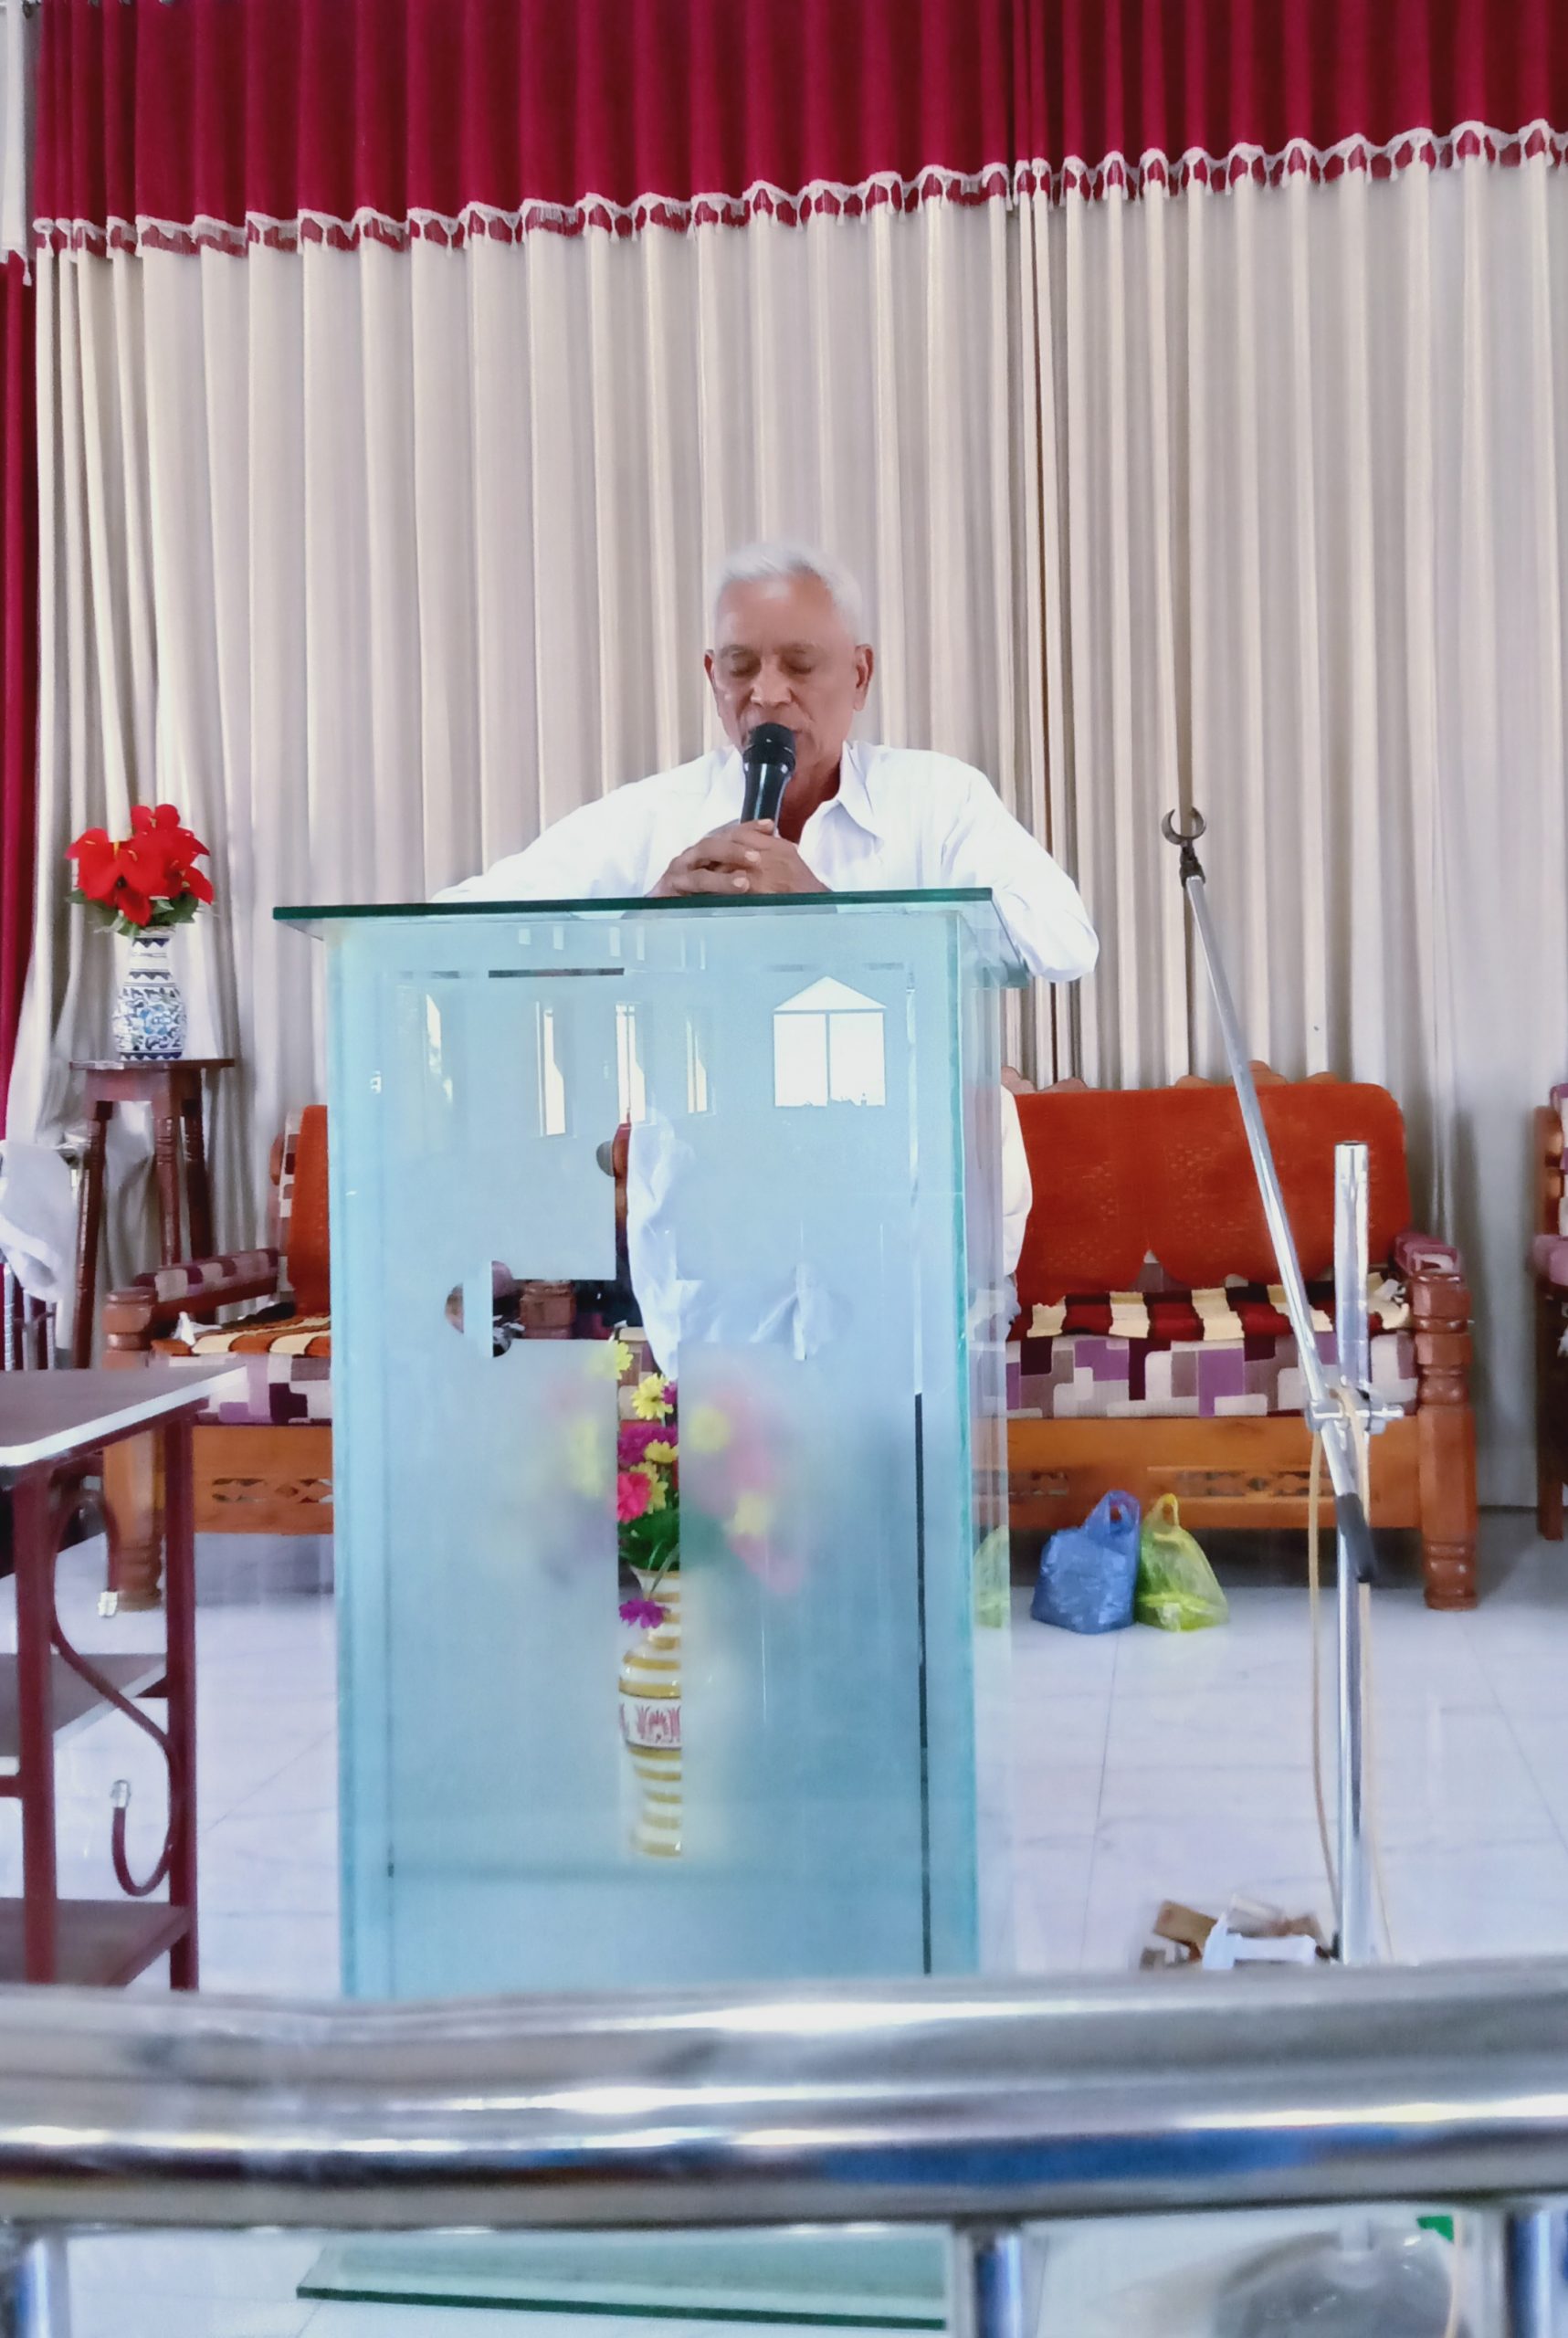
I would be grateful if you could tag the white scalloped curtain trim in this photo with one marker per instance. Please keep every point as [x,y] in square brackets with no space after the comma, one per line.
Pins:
[999,182]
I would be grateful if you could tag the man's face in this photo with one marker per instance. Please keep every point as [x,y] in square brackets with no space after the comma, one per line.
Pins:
[782,653]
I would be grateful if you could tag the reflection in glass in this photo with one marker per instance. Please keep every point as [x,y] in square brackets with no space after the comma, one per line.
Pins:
[829,1047]
[822,1275]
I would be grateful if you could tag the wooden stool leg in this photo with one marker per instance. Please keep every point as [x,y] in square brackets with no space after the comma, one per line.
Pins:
[133,1516]
[198,1191]
[166,1166]
[1550,1419]
[37,1537]
[88,1233]
[180,1683]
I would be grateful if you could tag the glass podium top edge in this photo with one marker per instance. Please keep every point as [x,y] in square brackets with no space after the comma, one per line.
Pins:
[325,912]
[981,914]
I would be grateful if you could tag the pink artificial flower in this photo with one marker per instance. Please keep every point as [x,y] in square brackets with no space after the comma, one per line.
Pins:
[647,1612]
[636,1436]
[633,1494]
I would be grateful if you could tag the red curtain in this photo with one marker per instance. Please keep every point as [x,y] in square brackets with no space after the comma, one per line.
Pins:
[19,649]
[1130,78]
[221,109]
[336,117]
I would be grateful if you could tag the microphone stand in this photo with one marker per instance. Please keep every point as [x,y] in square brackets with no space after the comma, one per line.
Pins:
[1365,2278]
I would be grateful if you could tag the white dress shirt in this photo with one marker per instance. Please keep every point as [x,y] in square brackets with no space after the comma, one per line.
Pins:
[902,820]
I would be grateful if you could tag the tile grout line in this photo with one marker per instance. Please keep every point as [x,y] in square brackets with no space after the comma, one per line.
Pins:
[1099,1800]
[1466,1619]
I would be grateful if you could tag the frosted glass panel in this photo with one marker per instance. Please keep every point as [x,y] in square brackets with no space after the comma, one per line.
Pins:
[813,1232]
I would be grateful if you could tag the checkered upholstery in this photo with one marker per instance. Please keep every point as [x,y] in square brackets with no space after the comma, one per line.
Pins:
[288,1358]
[287,1362]
[1162,1353]
[195,1276]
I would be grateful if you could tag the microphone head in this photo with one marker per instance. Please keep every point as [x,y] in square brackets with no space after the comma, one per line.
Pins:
[772,742]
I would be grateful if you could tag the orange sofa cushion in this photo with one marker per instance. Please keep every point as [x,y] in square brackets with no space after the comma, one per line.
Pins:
[309,1270]
[1123,1174]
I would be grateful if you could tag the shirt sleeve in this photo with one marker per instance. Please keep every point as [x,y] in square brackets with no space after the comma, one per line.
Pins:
[1017,1185]
[597,853]
[1038,902]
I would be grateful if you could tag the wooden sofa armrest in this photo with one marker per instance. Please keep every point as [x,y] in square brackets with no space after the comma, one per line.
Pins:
[1433,1275]
[1421,1257]
[149,1309]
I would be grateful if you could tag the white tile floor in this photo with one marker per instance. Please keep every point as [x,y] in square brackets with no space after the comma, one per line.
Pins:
[1145,1767]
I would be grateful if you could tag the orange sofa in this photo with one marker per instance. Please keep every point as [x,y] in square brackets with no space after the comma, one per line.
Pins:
[1121,1373]
[1152,1351]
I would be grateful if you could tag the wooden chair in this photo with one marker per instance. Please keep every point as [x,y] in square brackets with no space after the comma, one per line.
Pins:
[1549,1263]
[1150,1354]
[262,1464]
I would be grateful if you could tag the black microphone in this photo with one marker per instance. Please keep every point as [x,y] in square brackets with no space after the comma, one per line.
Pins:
[769,765]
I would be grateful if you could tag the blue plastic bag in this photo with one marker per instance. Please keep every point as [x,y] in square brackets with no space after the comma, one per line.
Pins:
[1089,1574]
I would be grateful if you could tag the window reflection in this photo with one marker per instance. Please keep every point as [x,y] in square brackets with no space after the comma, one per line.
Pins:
[829,1047]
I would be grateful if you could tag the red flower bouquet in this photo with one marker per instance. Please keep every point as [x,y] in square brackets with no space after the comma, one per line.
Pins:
[148,881]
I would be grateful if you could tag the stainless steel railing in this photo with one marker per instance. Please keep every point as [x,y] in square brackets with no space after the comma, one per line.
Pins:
[979,2105]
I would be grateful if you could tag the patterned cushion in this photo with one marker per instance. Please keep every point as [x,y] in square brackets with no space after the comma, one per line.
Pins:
[287,1367]
[288,1358]
[1203,1353]
[195,1275]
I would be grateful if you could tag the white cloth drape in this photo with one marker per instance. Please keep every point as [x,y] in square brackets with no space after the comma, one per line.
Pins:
[374,561]
[18,45]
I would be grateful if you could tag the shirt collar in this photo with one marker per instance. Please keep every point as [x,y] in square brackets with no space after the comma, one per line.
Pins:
[854,793]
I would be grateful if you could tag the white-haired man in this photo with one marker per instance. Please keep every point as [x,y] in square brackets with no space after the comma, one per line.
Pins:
[787,646]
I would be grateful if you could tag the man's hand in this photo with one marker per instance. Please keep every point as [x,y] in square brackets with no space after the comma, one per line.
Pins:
[746,857]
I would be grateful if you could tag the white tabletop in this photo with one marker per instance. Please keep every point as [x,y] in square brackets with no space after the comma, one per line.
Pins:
[44,1416]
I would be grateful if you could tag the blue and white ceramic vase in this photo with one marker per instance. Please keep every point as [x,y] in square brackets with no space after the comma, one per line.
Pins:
[149,1019]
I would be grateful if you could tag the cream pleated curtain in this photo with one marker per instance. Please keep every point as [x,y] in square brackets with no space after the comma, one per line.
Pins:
[1304,487]
[375,561]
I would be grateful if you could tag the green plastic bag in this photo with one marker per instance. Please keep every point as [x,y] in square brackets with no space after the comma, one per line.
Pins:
[1177,1590]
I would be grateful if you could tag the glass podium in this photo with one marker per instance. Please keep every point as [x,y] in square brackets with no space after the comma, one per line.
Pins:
[784,1758]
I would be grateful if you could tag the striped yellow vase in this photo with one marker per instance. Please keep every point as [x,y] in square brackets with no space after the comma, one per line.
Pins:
[651,1722]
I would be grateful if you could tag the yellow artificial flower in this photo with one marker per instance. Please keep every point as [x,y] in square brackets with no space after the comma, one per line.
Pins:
[613,1358]
[707,1430]
[587,1457]
[656,1497]
[650,1400]
[658,1448]
[753,1516]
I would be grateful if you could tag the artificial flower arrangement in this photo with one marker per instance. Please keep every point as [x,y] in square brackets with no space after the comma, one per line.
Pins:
[739,1514]
[144,882]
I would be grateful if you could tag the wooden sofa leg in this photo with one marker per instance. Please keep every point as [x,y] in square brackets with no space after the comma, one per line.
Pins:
[1550,1421]
[1447,1464]
[1548,1496]
[133,1514]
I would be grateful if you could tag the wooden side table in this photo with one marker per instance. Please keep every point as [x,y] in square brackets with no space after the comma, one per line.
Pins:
[50,1422]
[174,1092]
